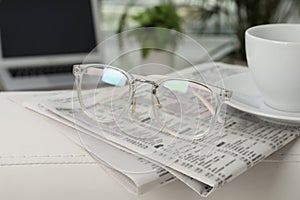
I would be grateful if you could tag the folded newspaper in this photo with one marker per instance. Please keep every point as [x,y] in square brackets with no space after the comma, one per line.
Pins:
[141,164]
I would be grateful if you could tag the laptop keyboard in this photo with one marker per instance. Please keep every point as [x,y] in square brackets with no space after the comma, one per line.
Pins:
[40,71]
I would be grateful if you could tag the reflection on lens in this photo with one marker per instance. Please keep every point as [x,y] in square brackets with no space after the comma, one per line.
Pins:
[113,77]
[177,85]
[104,92]
[186,108]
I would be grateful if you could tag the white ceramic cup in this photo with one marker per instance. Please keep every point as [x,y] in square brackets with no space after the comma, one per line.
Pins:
[273,56]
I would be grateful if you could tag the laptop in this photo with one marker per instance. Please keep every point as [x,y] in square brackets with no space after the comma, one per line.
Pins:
[40,40]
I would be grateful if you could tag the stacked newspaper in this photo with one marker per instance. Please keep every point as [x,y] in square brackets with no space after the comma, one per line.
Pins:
[142,164]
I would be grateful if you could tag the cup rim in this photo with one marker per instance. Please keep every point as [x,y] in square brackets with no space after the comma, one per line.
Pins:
[248,33]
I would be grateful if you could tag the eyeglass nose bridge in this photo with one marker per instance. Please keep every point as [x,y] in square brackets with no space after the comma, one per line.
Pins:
[155,86]
[153,83]
[146,81]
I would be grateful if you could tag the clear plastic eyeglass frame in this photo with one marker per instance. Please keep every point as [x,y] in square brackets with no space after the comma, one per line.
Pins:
[220,94]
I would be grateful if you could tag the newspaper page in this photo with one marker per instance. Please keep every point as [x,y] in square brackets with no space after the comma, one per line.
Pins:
[161,175]
[244,142]
[131,181]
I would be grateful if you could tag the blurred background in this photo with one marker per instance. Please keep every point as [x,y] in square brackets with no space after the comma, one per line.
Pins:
[41,39]
[207,17]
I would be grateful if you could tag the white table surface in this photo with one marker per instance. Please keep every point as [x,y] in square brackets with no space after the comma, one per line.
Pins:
[37,161]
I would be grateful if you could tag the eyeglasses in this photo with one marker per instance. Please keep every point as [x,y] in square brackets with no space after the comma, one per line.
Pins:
[184,108]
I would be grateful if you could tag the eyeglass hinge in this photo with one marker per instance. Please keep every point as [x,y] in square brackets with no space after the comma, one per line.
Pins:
[77,70]
[226,94]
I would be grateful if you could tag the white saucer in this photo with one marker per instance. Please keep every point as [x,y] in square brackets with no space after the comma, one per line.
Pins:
[247,98]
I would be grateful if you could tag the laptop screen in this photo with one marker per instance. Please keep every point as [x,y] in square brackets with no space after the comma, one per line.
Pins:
[46,27]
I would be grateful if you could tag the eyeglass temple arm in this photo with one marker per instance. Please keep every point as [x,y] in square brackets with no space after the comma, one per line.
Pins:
[205,102]
[225,94]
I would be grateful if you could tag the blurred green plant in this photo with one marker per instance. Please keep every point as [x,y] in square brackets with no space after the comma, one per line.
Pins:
[161,16]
